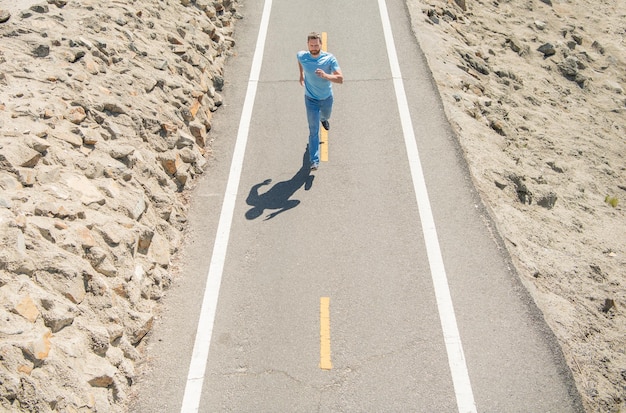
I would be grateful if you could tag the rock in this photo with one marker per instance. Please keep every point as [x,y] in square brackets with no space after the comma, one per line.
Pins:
[68,136]
[171,162]
[218,83]
[98,335]
[59,3]
[37,346]
[76,115]
[58,317]
[547,49]
[135,205]
[4,16]
[547,200]
[98,371]
[476,63]
[137,325]
[144,240]
[199,132]
[40,8]
[577,38]
[569,67]
[91,136]
[609,304]
[27,176]
[597,46]
[27,309]
[15,155]
[41,50]
[88,192]
[85,237]
[159,251]
[121,151]
[515,44]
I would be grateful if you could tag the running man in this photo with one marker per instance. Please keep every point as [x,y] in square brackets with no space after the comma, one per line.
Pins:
[318,71]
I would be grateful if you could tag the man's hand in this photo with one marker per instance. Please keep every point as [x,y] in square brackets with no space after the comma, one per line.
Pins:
[336,77]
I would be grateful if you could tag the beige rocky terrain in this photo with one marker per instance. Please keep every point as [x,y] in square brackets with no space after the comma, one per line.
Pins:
[535,92]
[105,109]
[105,118]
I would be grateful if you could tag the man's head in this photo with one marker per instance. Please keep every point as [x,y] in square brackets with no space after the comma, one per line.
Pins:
[314,42]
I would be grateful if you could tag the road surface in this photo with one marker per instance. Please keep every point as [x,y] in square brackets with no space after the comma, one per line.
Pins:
[376,283]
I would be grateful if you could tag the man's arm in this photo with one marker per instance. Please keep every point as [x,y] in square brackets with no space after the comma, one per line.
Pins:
[336,77]
[301,73]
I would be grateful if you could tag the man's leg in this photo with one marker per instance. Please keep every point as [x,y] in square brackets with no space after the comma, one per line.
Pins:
[313,117]
[326,108]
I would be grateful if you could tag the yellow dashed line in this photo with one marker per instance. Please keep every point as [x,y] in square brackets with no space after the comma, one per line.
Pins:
[325,363]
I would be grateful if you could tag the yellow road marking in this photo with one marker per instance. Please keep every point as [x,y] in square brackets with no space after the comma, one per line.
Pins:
[325,363]
[324,132]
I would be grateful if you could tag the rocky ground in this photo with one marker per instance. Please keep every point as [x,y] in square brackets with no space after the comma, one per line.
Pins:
[105,110]
[535,92]
[105,118]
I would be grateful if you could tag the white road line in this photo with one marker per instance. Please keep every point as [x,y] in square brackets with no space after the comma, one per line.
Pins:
[197,366]
[456,359]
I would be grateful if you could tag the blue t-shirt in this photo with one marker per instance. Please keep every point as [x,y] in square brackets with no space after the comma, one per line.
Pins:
[314,86]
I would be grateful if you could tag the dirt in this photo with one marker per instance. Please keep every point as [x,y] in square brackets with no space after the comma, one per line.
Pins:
[535,91]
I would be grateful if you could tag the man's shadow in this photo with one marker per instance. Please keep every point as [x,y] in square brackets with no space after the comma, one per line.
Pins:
[278,196]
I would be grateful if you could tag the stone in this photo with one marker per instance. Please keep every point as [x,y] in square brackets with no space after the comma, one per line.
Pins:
[171,162]
[199,132]
[84,236]
[41,50]
[15,154]
[56,319]
[98,335]
[37,346]
[185,140]
[4,16]
[98,371]
[144,240]
[137,325]
[135,205]
[67,136]
[515,44]
[159,251]
[218,83]
[91,136]
[117,130]
[40,8]
[577,38]
[27,176]
[76,115]
[547,200]
[88,192]
[40,145]
[58,3]
[121,151]
[188,155]
[547,49]
[27,309]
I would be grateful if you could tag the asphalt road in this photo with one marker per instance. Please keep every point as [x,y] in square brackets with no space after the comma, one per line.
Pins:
[423,316]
